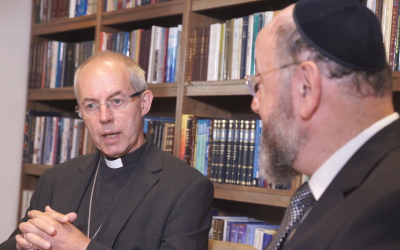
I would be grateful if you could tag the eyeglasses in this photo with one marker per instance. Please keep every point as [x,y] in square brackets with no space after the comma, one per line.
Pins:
[114,104]
[252,81]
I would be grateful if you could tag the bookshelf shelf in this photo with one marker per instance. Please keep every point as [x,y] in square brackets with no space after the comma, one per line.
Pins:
[200,5]
[263,196]
[67,93]
[35,169]
[157,10]
[217,88]
[164,89]
[64,25]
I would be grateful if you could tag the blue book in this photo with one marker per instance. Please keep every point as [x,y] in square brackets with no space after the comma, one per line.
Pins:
[199,133]
[256,153]
[207,144]
[84,7]
[234,233]
[255,33]
[77,8]
[48,139]
[251,229]
[266,239]
[125,49]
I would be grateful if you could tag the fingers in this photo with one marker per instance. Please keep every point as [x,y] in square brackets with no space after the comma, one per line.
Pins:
[31,241]
[40,224]
[62,218]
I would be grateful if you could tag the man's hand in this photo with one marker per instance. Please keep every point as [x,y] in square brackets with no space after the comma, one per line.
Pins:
[51,230]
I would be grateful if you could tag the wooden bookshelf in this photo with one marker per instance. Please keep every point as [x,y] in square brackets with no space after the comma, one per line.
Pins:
[67,93]
[64,25]
[154,11]
[216,88]
[217,99]
[200,5]
[35,169]
[263,196]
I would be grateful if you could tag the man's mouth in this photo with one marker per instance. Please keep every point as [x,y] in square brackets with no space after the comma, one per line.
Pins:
[110,135]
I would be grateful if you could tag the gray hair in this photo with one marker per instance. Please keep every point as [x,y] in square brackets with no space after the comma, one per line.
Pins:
[292,45]
[136,74]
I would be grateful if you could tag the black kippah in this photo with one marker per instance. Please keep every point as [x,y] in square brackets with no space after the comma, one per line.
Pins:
[343,30]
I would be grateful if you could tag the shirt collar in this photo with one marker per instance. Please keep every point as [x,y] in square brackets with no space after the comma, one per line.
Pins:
[324,175]
[128,158]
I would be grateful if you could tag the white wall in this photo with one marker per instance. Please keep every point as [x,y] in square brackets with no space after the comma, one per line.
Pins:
[15,17]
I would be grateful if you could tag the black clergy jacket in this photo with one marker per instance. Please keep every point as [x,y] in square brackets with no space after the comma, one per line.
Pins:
[360,209]
[164,205]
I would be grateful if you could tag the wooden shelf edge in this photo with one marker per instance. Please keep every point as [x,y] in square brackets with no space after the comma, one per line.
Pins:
[62,25]
[199,5]
[164,89]
[67,93]
[151,11]
[35,169]
[256,195]
[217,89]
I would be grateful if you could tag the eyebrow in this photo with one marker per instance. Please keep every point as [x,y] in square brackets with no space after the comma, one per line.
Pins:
[95,100]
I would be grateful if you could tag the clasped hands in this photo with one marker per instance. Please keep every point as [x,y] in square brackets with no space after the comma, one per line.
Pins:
[50,230]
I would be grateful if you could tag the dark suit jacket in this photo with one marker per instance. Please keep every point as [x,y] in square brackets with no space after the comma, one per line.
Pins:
[360,209]
[164,205]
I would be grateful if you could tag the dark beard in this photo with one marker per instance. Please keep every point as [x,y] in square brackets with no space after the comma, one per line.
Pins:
[280,145]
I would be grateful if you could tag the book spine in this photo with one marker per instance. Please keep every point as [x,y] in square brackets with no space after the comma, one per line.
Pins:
[27,127]
[222,151]
[393,33]
[244,38]
[250,157]
[221,55]
[229,152]
[240,153]
[255,33]
[183,137]
[214,151]
[235,149]
[215,52]
[212,47]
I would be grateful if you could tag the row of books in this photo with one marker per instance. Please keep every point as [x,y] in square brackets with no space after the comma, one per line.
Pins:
[51,139]
[155,50]
[387,12]
[225,51]
[111,5]
[53,64]
[50,10]
[161,132]
[26,199]
[227,151]
[242,230]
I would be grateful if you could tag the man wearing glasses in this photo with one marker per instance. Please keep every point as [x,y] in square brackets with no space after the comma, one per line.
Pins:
[324,93]
[129,195]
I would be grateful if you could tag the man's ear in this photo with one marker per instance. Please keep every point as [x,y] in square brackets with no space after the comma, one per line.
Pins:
[310,89]
[147,99]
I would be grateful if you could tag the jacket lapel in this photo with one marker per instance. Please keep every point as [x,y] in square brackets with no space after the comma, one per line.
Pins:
[352,175]
[80,184]
[139,184]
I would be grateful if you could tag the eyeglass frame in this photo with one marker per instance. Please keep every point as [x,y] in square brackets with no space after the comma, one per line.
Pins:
[251,78]
[78,111]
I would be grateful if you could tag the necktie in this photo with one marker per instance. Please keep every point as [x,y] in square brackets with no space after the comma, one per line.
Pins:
[301,201]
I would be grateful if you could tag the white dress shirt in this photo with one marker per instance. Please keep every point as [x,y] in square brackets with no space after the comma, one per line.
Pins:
[324,175]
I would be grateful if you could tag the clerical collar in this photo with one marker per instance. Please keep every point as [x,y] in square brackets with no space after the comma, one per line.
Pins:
[127,159]
[116,163]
